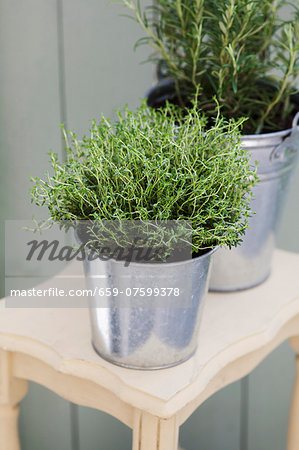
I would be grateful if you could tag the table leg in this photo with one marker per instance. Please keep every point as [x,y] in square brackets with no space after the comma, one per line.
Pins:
[12,390]
[152,433]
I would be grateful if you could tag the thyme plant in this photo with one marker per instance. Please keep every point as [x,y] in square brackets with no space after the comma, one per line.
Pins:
[155,165]
[241,51]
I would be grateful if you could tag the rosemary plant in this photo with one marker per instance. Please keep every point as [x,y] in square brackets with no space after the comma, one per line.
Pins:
[155,165]
[241,51]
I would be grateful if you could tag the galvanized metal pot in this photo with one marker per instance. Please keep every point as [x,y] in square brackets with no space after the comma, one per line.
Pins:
[147,331]
[250,264]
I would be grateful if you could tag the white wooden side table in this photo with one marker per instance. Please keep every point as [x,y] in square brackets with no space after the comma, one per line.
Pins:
[52,347]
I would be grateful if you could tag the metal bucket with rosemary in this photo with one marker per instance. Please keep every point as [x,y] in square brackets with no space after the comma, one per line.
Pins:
[250,264]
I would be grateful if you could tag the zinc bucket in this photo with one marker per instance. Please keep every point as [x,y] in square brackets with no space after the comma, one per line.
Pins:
[250,264]
[138,320]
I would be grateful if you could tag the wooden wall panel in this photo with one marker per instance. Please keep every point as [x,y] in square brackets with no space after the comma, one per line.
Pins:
[101,69]
[29,98]
[99,431]
[44,421]
[215,425]
[270,388]
[30,112]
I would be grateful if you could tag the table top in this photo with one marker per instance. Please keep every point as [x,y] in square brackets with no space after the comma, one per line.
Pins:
[237,331]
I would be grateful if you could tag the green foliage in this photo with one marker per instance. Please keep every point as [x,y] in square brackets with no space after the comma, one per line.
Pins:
[227,47]
[155,166]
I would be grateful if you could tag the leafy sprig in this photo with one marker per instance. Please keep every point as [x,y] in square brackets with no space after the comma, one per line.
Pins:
[155,166]
[228,48]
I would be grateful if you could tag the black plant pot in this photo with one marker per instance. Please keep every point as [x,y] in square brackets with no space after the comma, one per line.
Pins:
[166,90]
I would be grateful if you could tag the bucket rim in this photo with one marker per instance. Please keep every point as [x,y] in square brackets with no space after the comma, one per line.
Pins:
[171,264]
[274,134]
[167,84]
